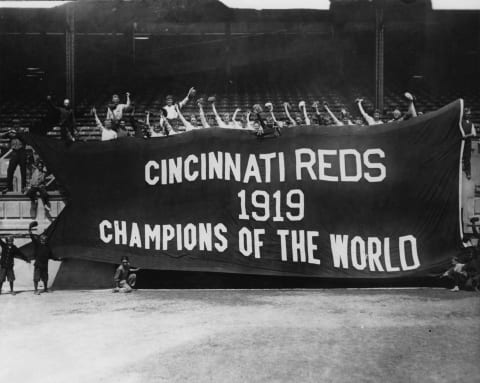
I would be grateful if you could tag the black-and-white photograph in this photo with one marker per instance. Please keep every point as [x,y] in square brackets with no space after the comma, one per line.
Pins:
[239,191]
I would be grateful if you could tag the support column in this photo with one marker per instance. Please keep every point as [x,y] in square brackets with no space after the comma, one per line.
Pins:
[228,48]
[70,53]
[379,56]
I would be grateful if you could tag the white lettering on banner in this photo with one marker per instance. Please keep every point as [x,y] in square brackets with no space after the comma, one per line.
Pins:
[103,235]
[358,165]
[261,201]
[413,251]
[148,169]
[374,165]
[191,236]
[152,235]
[188,173]
[368,253]
[324,159]
[135,240]
[302,243]
[323,165]
[331,165]
[249,242]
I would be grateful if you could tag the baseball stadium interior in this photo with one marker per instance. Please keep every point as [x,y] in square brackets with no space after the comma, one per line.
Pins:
[88,50]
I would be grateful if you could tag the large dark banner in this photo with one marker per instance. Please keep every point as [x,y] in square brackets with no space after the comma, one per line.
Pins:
[337,202]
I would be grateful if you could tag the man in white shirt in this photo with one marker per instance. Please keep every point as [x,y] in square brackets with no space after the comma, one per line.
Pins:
[115,109]
[170,106]
[107,132]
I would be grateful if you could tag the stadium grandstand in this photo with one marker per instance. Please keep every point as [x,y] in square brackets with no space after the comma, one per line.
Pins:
[88,50]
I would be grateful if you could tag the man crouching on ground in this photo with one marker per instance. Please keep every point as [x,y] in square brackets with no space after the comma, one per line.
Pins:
[124,278]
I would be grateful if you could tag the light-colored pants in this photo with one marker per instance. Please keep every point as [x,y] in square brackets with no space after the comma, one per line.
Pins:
[127,285]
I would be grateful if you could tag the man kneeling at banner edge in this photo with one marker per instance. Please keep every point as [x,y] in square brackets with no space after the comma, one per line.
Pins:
[465,269]
[124,278]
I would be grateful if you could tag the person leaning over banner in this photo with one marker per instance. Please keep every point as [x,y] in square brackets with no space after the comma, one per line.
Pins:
[9,252]
[18,157]
[124,279]
[269,107]
[336,121]
[226,122]
[262,130]
[188,125]
[42,254]
[375,120]
[107,131]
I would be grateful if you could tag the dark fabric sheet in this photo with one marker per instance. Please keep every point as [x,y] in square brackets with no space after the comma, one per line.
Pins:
[417,201]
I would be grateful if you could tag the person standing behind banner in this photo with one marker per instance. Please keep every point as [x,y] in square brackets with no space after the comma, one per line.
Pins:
[115,110]
[107,132]
[9,252]
[66,119]
[469,130]
[42,254]
[169,107]
[18,157]
[124,279]
[188,125]
[375,120]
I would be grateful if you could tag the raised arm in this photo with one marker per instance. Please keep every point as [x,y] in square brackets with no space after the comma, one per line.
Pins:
[411,104]
[332,115]
[128,100]
[97,120]
[286,106]
[188,126]
[303,108]
[249,123]
[191,92]
[220,122]
[369,119]
[238,124]
[202,114]
[51,104]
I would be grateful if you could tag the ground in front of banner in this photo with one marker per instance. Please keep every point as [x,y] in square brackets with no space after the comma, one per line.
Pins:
[338,335]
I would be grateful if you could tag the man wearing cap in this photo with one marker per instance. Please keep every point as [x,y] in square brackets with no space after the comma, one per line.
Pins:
[9,252]
[124,279]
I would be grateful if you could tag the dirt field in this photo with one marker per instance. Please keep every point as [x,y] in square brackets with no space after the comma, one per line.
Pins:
[418,335]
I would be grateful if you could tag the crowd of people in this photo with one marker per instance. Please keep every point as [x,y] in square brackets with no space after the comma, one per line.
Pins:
[262,121]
